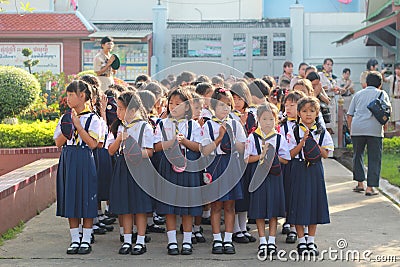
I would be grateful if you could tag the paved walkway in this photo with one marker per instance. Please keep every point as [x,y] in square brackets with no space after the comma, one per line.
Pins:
[359,222]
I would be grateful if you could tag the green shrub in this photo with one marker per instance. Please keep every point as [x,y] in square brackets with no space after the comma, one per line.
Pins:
[27,134]
[18,90]
[391,145]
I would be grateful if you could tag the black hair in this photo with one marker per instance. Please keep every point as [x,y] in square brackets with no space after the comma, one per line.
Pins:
[268,107]
[204,88]
[313,76]
[396,65]
[185,77]
[345,70]
[293,96]
[269,80]
[314,102]
[106,39]
[111,93]
[130,100]
[302,64]
[185,96]
[142,78]
[117,87]
[248,75]
[95,83]
[287,64]
[259,88]
[217,80]
[203,79]
[242,90]
[371,63]
[218,94]
[156,89]
[148,100]
[328,59]
[374,78]
[78,86]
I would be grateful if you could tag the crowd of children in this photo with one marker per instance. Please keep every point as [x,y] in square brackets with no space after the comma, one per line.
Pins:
[267,140]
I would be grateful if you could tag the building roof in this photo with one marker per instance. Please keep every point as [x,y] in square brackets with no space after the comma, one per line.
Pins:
[44,25]
[266,23]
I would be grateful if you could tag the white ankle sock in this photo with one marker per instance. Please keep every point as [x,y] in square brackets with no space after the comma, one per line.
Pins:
[74,235]
[217,237]
[242,221]
[206,213]
[187,238]
[128,238]
[310,239]
[263,240]
[293,229]
[87,234]
[228,237]
[271,239]
[196,228]
[302,240]
[140,239]
[172,238]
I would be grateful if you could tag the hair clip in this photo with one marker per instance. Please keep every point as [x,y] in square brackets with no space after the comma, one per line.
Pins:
[222,90]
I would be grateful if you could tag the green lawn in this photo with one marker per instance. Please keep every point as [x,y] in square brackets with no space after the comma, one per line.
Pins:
[390,167]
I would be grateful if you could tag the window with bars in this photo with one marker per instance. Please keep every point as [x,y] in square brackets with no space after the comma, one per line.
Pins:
[260,46]
[279,44]
[239,45]
[196,45]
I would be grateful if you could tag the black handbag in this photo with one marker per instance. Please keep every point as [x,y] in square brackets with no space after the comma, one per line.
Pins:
[380,109]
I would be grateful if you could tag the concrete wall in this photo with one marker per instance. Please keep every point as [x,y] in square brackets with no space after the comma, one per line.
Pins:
[321,29]
[193,10]
[280,9]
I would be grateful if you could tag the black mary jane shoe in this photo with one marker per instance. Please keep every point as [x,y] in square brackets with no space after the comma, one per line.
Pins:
[312,249]
[262,249]
[73,249]
[154,229]
[302,249]
[86,249]
[240,239]
[185,250]
[125,249]
[108,220]
[199,237]
[291,237]
[99,231]
[251,238]
[217,249]
[285,229]
[229,248]
[139,249]
[173,251]
[271,249]
[109,228]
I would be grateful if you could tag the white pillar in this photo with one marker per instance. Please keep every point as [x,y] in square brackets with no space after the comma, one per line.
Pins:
[297,28]
[159,36]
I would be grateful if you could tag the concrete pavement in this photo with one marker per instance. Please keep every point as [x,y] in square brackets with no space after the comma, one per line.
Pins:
[369,225]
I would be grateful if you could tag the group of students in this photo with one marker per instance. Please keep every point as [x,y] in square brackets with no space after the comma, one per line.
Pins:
[246,132]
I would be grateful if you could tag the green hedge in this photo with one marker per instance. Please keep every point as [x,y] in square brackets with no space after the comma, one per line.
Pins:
[27,134]
[390,145]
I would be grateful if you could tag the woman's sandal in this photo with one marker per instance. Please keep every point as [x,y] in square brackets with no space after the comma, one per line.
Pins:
[72,249]
[173,251]
[262,249]
[358,189]
[138,249]
[185,250]
[217,249]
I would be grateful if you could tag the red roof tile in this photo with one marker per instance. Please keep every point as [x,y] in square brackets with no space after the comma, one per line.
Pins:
[45,23]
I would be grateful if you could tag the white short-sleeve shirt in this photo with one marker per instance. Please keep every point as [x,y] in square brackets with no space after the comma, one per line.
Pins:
[239,134]
[251,149]
[183,126]
[327,143]
[95,129]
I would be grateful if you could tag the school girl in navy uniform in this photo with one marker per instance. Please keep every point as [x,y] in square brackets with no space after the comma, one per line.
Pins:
[243,115]
[178,130]
[213,135]
[308,204]
[78,133]
[286,129]
[102,223]
[268,200]
[127,198]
